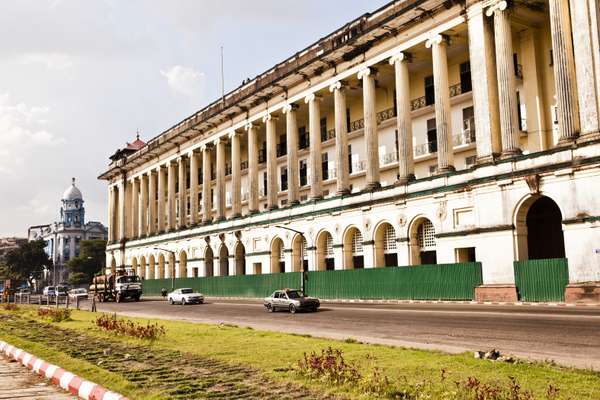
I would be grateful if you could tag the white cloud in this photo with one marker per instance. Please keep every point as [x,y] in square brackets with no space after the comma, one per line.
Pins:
[185,80]
[57,61]
[22,130]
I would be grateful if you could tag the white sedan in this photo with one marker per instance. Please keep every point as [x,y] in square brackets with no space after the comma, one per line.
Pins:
[75,293]
[185,296]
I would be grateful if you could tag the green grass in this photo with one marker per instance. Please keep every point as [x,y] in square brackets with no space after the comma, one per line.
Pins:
[275,354]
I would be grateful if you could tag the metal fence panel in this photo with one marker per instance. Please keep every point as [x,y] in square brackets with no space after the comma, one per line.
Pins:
[423,282]
[542,280]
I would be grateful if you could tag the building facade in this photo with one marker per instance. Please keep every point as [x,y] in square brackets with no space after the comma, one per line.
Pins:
[64,236]
[425,132]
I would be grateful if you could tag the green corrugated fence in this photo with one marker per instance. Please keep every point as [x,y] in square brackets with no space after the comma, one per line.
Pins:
[228,286]
[423,282]
[542,280]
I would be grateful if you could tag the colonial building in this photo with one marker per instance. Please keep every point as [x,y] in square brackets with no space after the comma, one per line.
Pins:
[428,131]
[64,236]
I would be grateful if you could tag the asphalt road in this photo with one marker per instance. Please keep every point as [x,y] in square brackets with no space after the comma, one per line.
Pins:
[566,335]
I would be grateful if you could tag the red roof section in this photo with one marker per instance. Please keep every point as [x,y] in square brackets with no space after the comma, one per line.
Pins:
[137,144]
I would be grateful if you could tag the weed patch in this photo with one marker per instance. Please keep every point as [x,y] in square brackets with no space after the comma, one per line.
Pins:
[111,323]
[10,307]
[55,315]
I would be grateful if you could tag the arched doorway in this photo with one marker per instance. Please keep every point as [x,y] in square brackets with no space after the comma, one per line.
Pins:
[143,273]
[182,270]
[277,256]
[134,266]
[539,229]
[161,267]
[223,260]
[151,267]
[422,242]
[240,259]
[386,254]
[353,249]
[325,259]
[299,253]
[208,262]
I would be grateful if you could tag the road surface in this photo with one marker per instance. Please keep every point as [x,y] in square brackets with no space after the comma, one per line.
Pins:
[566,335]
[17,382]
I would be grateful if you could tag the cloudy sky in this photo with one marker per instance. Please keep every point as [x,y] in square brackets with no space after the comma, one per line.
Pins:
[78,78]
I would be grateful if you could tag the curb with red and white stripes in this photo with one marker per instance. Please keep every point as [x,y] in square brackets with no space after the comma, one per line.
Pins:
[72,383]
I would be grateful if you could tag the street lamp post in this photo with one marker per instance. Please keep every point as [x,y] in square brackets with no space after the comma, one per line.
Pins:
[302,269]
[172,266]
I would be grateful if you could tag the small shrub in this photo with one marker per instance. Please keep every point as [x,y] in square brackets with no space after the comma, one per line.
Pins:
[329,367]
[11,307]
[54,314]
[111,323]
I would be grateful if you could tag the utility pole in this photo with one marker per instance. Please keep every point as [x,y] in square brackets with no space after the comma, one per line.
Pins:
[303,275]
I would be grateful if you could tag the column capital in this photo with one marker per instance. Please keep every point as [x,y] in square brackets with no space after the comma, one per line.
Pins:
[339,85]
[499,5]
[290,107]
[366,72]
[250,125]
[269,117]
[437,38]
[232,134]
[400,57]
[312,97]
[218,141]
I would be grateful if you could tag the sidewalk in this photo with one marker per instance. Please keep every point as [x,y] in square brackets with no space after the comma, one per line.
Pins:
[17,382]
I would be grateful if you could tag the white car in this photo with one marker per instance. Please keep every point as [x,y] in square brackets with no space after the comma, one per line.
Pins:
[49,291]
[75,293]
[185,296]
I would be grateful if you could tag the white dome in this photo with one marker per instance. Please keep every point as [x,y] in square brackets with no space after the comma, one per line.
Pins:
[72,193]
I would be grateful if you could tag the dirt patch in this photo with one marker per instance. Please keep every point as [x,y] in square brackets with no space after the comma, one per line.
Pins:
[174,374]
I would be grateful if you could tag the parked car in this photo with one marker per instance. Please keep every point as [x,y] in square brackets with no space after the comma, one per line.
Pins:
[185,296]
[49,291]
[61,290]
[75,293]
[292,300]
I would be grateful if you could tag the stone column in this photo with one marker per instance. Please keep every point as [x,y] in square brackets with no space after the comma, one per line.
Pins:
[564,70]
[194,166]
[507,88]
[485,84]
[367,75]
[220,185]
[292,152]
[152,203]
[182,211]
[236,175]
[584,56]
[171,209]
[406,165]
[135,209]
[443,121]
[315,157]
[122,210]
[252,130]
[271,128]
[160,205]
[341,138]
[206,186]
[143,206]
[111,224]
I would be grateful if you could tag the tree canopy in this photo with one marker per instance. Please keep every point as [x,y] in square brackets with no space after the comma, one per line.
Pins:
[27,262]
[90,261]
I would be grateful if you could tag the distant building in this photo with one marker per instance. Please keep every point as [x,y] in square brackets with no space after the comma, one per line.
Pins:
[64,236]
[10,243]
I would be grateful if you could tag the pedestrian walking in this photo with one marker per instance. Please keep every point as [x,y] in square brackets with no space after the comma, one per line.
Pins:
[163,292]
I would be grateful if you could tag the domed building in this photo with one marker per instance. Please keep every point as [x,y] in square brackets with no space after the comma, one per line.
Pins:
[64,236]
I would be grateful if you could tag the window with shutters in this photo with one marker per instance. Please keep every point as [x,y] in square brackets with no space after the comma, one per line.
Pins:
[357,246]
[328,245]
[426,236]
[389,239]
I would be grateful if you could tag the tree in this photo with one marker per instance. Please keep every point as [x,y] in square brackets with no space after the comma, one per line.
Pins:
[27,262]
[90,261]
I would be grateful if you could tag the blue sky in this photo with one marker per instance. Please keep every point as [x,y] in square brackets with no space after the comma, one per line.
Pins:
[78,78]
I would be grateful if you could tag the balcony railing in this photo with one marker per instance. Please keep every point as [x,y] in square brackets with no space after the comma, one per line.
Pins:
[455,90]
[244,165]
[464,138]
[356,125]
[358,166]
[330,134]
[425,148]
[421,102]
[381,116]
[388,158]
[262,156]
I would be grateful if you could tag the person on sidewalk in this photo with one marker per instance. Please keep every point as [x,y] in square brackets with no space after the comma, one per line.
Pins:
[163,292]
